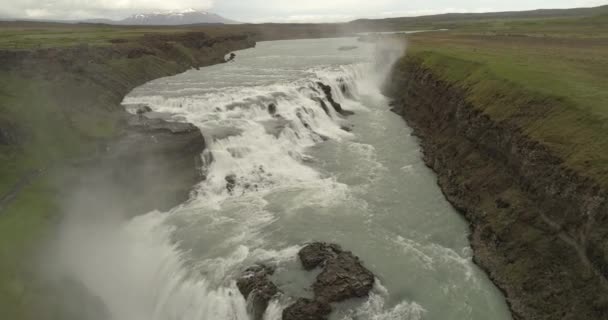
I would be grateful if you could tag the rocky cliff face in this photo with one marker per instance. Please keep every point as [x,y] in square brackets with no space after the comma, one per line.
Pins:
[62,126]
[537,227]
[152,164]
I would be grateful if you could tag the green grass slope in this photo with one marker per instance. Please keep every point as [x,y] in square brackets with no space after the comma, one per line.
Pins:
[60,105]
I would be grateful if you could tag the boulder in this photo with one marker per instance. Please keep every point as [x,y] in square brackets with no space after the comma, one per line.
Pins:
[144,109]
[307,309]
[343,276]
[257,289]
[328,94]
[230,182]
[137,108]
[272,109]
[231,57]
[315,254]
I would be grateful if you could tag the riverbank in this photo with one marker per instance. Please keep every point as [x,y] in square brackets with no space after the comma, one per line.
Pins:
[61,117]
[513,124]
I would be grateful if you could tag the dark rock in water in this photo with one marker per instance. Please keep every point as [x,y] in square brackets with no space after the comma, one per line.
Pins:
[323,105]
[306,309]
[137,108]
[347,48]
[315,254]
[231,57]
[322,137]
[343,276]
[230,182]
[344,88]
[347,128]
[272,109]
[328,94]
[144,109]
[257,289]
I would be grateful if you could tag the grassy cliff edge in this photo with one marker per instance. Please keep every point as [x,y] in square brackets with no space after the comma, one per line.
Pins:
[62,105]
[514,127]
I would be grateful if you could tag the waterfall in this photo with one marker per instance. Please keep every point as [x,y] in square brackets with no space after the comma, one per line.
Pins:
[258,135]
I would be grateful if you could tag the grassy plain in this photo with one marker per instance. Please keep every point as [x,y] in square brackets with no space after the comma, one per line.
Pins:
[35,35]
[549,76]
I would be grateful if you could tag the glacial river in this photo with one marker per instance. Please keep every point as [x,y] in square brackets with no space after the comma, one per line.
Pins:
[294,177]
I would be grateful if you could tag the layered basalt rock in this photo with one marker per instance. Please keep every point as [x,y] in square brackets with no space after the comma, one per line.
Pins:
[538,228]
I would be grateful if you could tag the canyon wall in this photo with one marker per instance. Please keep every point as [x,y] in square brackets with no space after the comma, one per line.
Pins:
[538,227]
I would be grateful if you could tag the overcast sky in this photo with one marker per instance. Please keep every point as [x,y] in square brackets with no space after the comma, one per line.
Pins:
[271,10]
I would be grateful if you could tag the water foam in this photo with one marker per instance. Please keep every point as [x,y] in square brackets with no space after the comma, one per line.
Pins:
[252,153]
[175,284]
[374,308]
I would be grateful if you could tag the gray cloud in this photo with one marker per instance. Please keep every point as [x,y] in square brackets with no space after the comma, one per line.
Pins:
[271,10]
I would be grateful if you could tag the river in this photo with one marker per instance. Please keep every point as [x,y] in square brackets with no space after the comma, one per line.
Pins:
[276,182]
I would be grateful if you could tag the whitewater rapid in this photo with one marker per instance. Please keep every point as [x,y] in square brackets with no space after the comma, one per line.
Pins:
[278,179]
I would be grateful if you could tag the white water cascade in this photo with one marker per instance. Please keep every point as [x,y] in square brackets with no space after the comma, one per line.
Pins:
[281,171]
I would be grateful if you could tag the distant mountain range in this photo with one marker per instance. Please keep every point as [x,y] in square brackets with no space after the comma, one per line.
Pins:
[173,18]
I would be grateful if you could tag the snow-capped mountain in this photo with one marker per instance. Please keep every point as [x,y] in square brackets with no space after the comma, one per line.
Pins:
[189,16]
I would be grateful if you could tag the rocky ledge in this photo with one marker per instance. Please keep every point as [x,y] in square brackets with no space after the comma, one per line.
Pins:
[257,288]
[330,97]
[343,277]
[152,165]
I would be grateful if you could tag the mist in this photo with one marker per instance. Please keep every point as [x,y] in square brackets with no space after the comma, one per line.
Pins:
[118,258]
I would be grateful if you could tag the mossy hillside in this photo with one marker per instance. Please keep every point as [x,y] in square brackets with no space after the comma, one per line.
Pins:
[22,226]
[64,112]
